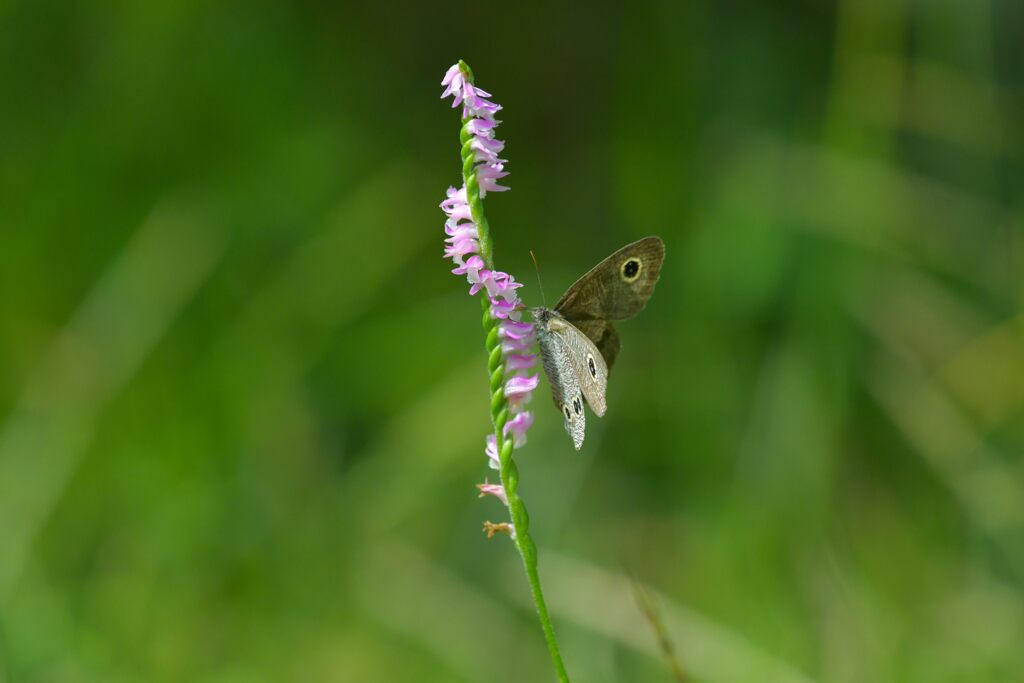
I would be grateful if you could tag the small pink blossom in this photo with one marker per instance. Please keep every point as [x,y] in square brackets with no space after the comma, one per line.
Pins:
[503,285]
[515,361]
[516,346]
[518,426]
[487,150]
[455,198]
[472,98]
[460,230]
[496,490]
[521,393]
[516,331]
[488,176]
[491,451]
[518,389]
[484,280]
[471,268]
[482,128]
[476,105]
[456,84]
[502,309]
[513,347]
[460,248]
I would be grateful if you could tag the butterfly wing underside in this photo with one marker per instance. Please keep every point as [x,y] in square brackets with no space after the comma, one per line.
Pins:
[616,288]
[588,365]
[604,336]
[565,384]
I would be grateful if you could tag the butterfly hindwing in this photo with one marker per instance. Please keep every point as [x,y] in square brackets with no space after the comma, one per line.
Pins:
[587,364]
[605,338]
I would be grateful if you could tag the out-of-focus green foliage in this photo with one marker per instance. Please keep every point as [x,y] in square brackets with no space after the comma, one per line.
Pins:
[243,403]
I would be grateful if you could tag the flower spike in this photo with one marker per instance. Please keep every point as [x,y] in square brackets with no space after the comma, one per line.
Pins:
[509,341]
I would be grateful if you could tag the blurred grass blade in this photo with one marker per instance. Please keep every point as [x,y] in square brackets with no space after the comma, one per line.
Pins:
[91,360]
[991,493]
[601,600]
[422,446]
[909,391]
[653,616]
[462,626]
[987,374]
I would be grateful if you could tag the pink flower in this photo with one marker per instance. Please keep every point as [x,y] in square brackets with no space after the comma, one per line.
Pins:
[503,285]
[471,268]
[481,125]
[514,361]
[518,426]
[511,347]
[516,336]
[488,177]
[478,107]
[483,280]
[487,150]
[482,128]
[456,198]
[496,490]
[465,93]
[519,391]
[491,451]
[502,309]
[461,247]
[517,387]
[456,84]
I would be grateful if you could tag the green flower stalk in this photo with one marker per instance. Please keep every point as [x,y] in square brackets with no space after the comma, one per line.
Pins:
[509,341]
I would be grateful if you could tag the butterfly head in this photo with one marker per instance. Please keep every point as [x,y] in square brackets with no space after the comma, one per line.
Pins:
[547,321]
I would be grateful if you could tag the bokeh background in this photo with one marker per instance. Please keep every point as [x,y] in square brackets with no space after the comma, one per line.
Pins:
[243,403]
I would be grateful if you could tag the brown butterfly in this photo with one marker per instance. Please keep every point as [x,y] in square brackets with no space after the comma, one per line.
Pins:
[579,344]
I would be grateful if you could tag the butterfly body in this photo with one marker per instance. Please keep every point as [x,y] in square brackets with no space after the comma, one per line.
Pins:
[579,344]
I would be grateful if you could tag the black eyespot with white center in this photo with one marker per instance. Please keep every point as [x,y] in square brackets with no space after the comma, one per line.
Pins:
[591,366]
[577,405]
[631,269]
[568,415]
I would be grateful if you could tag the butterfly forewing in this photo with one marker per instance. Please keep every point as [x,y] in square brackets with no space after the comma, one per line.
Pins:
[618,287]
[563,378]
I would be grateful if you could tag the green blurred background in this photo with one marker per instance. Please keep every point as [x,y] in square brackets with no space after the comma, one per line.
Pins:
[243,402]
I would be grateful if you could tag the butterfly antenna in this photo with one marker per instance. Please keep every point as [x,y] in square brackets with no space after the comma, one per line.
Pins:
[536,269]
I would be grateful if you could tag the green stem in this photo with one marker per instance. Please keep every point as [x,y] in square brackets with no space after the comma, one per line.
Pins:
[509,472]
[510,481]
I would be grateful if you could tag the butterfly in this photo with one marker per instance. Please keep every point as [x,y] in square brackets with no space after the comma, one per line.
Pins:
[579,344]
